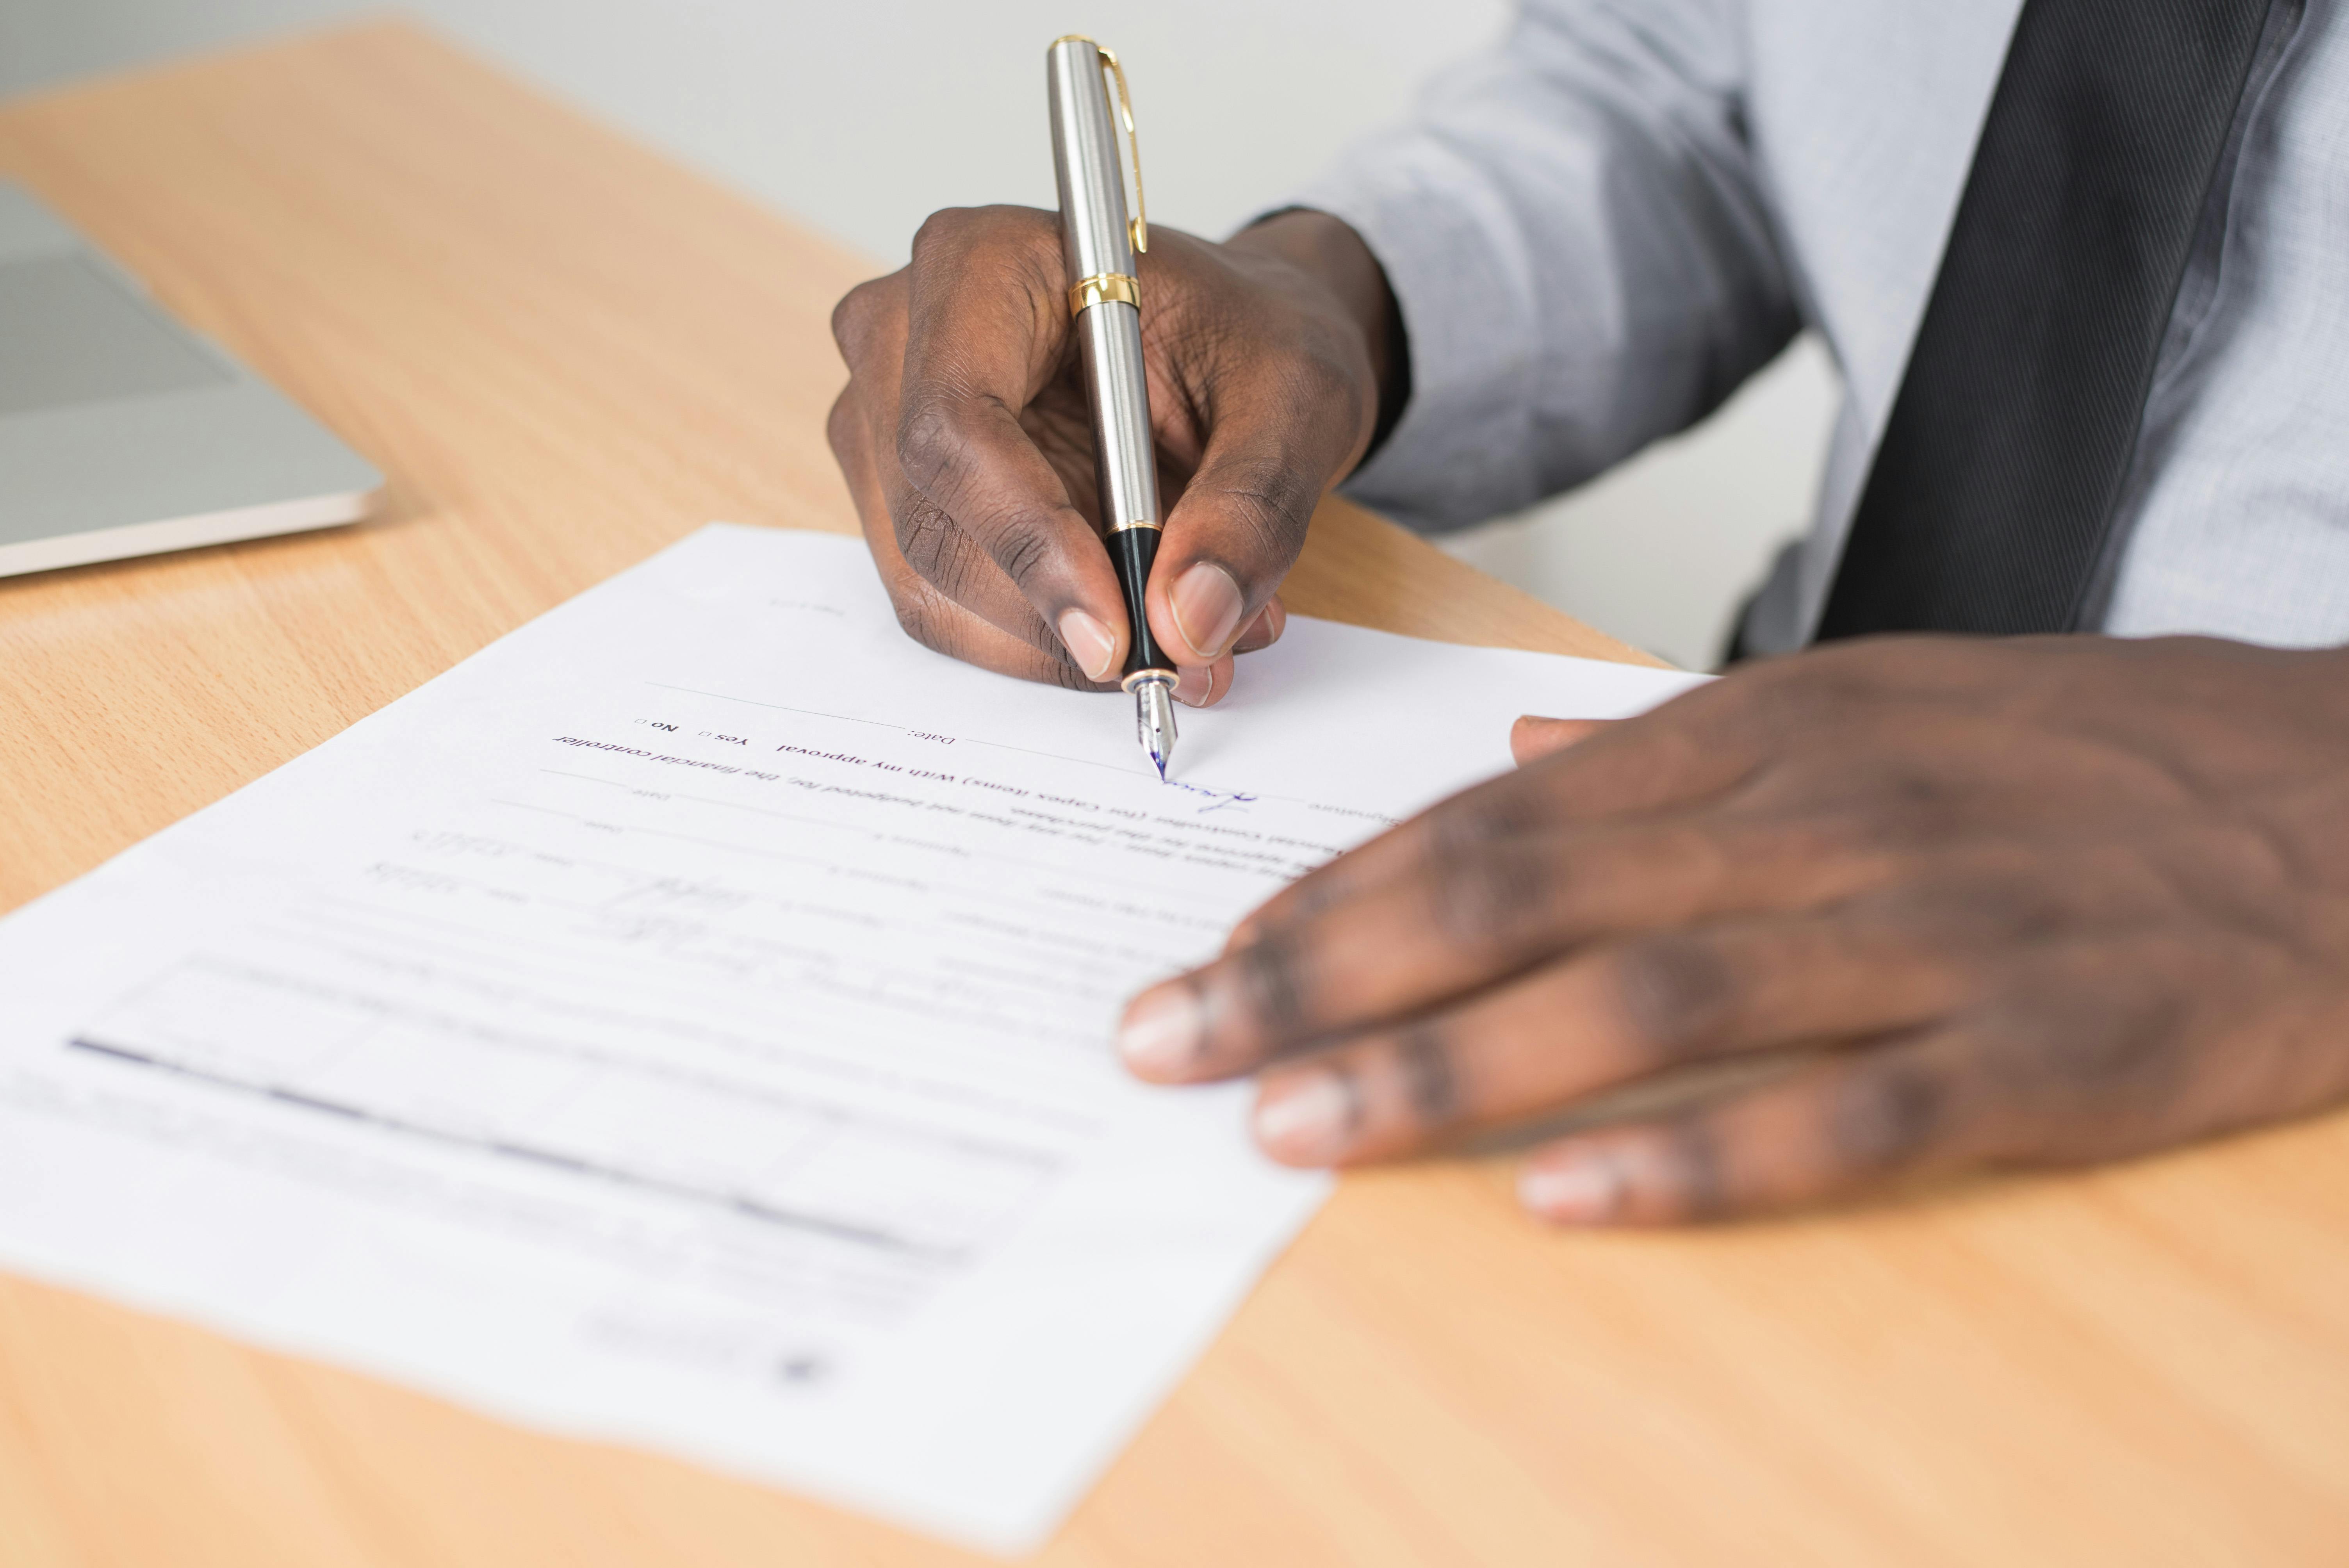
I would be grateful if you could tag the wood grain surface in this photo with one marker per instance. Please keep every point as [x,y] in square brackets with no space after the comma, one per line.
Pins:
[567,353]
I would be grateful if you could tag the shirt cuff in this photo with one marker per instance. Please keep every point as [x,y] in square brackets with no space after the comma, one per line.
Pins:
[1456,267]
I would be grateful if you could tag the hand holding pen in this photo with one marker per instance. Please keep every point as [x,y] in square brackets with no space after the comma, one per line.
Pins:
[966,434]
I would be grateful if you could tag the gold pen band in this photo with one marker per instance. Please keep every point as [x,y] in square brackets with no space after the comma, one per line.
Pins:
[1137,522]
[1091,291]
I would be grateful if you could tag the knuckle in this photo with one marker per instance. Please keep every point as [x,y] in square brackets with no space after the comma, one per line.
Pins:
[1680,993]
[1268,981]
[948,229]
[1011,250]
[929,438]
[843,427]
[1486,895]
[1686,1177]
[2081,1038]
[2014,910]
[1429,1073]
[1973,911]
[1000,234]
[1480,820]
[933,547]
[1023,546]
[1484,879]
[1858,669]
[860,310]
[1886,1116]
[1802,693]
[1899,802]
[927,619]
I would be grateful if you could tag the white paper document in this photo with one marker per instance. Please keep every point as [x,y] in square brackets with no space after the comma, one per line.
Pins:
[686,1023]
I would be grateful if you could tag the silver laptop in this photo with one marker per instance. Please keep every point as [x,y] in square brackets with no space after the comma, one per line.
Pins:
[123,433]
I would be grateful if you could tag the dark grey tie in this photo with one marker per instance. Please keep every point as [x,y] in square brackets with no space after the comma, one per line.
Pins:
[1995,483]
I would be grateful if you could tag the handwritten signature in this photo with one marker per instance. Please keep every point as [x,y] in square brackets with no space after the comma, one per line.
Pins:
[1218,799]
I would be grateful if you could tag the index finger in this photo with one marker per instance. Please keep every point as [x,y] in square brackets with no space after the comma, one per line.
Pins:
[1657,761]
[988,327]
[1457,928]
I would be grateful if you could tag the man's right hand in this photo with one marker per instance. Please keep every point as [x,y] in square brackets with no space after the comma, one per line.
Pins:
[965,439]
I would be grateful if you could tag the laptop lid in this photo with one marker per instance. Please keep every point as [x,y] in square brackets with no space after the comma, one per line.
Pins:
[124,433]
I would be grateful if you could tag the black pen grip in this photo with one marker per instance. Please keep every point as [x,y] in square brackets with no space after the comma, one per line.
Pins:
[1131,550]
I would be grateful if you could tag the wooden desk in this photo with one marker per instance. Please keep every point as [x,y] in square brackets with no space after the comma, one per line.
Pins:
[568,353]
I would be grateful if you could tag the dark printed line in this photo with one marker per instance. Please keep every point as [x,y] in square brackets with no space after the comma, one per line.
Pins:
[836,1229]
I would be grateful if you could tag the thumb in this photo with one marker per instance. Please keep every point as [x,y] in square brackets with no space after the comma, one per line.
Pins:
[1531,737]
[1229,541]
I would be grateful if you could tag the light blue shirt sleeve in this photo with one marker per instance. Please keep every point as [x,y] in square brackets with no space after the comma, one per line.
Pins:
[1577,233]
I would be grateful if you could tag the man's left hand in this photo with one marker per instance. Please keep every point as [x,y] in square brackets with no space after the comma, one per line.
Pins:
[2035,902]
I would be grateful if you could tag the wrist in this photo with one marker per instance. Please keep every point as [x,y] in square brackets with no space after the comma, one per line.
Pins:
[1330,252]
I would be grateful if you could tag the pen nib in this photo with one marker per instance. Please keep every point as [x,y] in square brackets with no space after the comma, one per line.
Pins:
[1154,719]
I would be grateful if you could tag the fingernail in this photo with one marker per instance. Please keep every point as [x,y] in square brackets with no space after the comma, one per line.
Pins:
[1308,1119]
[1263,631]
[1090,643]
[1583,1190]
[1192,684]
[1162,1032]
[1206,605]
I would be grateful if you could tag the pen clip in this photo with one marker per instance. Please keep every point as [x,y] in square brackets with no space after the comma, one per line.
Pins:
[1137,226]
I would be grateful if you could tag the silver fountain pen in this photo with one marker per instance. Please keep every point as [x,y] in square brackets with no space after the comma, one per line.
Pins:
[1098,243]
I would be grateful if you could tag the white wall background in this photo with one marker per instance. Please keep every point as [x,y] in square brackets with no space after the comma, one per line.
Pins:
[861,119]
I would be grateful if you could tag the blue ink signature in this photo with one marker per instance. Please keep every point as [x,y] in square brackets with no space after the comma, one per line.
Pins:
[1218,800]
